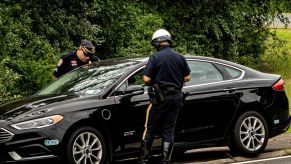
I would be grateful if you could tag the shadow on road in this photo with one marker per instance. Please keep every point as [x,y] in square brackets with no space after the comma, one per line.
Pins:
[216,155]
[202,155]
[193,156]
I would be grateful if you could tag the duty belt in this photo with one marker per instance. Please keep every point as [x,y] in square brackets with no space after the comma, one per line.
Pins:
[170,90]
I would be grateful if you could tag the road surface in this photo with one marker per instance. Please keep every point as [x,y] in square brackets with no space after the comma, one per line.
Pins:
[277,147]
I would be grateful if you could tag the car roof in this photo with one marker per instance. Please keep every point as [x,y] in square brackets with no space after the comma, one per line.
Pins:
[144,59]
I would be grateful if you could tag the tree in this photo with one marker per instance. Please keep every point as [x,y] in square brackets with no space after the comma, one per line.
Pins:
[36,33]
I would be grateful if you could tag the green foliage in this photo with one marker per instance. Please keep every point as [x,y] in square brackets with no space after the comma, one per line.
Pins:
[127,28]
[23,51]
[278,56]
[285,6]
[7,82]
[275,58]
[35,33]
[223,29]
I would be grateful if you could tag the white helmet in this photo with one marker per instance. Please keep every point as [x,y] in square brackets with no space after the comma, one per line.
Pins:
[160,35]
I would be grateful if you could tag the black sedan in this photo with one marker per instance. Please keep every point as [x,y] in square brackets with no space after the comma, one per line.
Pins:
[96,113]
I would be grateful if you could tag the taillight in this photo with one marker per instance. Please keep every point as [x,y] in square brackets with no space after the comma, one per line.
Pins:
[279,86]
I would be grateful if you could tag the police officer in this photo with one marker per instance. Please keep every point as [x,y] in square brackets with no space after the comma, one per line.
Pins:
[167,70]
[83,55]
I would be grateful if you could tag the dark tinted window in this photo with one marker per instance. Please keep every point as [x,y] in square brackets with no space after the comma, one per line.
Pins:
[135,79]
[203,72]
[233,73]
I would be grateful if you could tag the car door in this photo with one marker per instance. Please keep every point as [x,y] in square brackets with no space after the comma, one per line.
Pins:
[133,111]
[211,102]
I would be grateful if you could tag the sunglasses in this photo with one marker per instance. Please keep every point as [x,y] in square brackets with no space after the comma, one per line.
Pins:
[88,51]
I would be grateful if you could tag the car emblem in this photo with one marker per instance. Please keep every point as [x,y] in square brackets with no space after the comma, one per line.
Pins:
[32,106]
[130,133]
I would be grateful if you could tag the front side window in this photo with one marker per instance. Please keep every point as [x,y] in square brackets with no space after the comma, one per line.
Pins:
[203,72]
[136,79]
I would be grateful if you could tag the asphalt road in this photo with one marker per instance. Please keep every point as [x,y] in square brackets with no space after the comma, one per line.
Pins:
[277,147]
[278,24]
[275,160]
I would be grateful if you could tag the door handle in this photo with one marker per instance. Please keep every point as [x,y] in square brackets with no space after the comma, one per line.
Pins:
[231,90]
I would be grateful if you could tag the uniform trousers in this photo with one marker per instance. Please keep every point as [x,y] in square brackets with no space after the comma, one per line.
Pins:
[163,115]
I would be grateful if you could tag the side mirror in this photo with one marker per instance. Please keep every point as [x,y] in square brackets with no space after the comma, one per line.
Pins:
[133,90]
[130,91]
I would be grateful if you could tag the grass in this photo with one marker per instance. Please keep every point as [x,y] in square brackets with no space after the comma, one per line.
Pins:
[285,34]
[288,91]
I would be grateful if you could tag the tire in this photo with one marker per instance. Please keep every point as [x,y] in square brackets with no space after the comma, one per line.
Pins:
[87,145]
[250,135]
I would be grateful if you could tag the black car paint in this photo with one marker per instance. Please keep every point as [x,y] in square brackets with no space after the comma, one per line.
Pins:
[221,102]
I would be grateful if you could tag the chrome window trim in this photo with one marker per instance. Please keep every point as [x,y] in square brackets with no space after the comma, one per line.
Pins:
[190,86]
[223,81]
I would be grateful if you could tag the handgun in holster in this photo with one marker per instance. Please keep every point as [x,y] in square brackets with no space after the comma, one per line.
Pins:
[155,94]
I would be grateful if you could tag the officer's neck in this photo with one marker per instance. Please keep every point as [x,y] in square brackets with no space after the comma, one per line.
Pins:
[163,44]
[162,47]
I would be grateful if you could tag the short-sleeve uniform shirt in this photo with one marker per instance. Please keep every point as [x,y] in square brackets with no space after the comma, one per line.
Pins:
[70,62]
[167,68]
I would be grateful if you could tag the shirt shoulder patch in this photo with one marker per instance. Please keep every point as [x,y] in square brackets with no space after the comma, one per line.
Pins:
[74,63]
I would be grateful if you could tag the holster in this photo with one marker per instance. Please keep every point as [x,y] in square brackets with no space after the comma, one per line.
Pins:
[155,94]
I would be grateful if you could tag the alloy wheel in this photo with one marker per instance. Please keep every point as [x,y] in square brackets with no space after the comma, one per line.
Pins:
[252,133]
[87,149]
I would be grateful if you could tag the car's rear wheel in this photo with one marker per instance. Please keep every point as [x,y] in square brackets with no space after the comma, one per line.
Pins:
[86,145]
[250,134]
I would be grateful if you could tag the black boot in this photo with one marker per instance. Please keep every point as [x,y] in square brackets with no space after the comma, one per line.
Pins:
[145,150]
[167,152]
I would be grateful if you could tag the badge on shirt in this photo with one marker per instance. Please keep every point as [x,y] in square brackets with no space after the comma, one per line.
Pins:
[74,63]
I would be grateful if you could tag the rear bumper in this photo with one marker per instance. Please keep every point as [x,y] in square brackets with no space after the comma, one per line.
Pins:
[280,129]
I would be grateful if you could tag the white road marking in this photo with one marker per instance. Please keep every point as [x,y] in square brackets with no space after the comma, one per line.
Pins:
[261,160]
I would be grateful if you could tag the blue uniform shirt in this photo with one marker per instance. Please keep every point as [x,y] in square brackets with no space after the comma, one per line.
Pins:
[167,68]
[70,62]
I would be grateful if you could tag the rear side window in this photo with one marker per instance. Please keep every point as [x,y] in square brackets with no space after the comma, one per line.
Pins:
[232,72]
[203,72]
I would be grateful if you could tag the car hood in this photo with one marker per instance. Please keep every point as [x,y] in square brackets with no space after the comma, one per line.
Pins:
[31,106]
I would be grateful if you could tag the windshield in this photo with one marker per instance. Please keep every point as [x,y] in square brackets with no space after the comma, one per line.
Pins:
[88,80]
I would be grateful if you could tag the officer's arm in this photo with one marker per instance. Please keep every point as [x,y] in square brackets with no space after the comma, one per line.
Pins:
[59,71]
[94,58]
[187,78]
[187,75]
[147,80]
